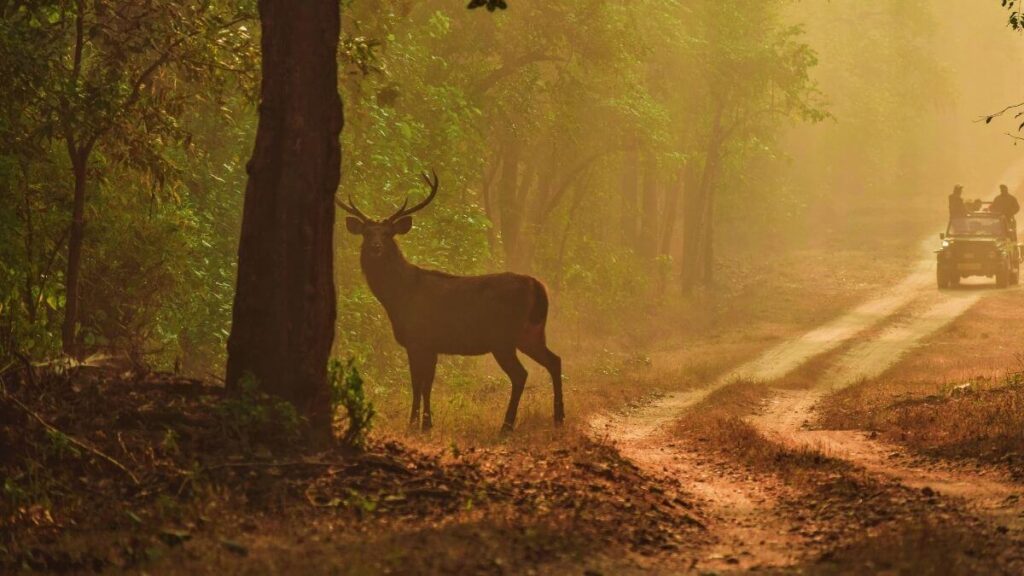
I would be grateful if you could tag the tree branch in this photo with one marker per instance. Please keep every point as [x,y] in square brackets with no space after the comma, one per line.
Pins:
[80,444]
[990,117]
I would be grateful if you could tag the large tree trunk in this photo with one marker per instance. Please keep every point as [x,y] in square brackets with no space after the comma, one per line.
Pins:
[284,312]
[76,236]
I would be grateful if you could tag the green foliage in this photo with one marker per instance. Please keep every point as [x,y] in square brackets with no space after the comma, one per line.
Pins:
[60,445]
[118,92]
[347,392]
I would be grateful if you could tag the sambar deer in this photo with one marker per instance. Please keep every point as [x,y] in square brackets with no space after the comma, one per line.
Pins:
[436,313]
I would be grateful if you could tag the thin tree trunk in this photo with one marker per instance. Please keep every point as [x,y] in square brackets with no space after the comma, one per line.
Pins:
[697,235]
[668,228]
[693,211]
[708,240]
[649,210]
[512,190]
[76,236]
[284,309]
[629,191]
[697,263]
[486,198]
[577,201]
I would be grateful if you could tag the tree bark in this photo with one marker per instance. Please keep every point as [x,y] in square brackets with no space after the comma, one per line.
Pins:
[76,236]
[284,309]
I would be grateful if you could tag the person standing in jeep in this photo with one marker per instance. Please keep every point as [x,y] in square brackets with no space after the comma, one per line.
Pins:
[956,202]
[1007,205]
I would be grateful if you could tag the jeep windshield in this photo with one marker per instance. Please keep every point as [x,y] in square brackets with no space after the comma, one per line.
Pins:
[977,226]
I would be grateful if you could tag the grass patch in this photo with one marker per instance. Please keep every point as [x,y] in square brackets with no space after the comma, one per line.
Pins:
[981,420]
[958,396]
[924,545]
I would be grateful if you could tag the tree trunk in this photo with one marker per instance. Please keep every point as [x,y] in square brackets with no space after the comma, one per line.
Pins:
[628,189]
[76,236]
[649,210]
[512,191]
[708,239]
[693,212]
[284,309]
[672,194]
[698,263]
[486,198]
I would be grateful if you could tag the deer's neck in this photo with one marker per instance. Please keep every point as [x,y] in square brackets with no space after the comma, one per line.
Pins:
[390,279]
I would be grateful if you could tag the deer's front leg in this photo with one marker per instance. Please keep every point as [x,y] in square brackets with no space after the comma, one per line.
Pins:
[423,365]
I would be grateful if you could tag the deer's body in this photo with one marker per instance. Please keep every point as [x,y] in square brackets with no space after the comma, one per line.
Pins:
[465,315]
[436,313]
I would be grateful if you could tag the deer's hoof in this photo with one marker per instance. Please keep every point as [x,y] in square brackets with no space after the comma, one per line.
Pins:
[427,425]
[506,429]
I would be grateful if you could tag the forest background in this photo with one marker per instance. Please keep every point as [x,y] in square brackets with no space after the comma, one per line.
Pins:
[637,157]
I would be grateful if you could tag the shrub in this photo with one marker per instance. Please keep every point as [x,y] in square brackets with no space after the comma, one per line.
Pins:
[347,392]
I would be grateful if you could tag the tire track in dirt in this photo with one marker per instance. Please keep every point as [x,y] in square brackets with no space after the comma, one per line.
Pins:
[777,361]
[743,512]
[984,491]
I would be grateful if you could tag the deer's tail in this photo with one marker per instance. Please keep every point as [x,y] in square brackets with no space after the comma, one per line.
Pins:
[539,310]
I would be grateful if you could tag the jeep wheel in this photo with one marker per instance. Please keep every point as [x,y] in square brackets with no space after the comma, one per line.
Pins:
[1003,277]
[942,277]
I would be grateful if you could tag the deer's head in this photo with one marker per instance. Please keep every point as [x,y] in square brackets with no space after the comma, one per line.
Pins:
[379,235]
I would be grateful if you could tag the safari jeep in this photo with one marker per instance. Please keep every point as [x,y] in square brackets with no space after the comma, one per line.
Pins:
[979,244]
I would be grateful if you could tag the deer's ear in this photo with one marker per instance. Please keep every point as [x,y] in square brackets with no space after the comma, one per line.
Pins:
[354,225]
[402,225]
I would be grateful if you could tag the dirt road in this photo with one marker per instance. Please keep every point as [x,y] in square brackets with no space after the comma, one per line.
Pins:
[745,512]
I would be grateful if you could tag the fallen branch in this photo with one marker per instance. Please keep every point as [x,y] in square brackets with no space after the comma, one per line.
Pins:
[75,441]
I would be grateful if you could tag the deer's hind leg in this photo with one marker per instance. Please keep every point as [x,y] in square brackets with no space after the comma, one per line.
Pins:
[533,344]
[423,366]
[510,363]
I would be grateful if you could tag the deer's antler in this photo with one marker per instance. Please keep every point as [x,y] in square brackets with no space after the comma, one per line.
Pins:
[351,208]
[403,211]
